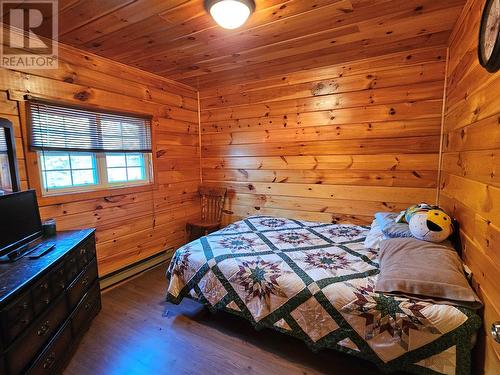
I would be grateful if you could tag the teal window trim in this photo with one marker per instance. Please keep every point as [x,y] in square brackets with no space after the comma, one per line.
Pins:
[99,169]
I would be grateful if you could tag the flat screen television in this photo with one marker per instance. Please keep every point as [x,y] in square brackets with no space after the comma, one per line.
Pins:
[20,221]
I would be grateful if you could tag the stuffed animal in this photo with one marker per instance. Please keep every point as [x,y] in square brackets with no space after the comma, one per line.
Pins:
[412,210]
[432,225]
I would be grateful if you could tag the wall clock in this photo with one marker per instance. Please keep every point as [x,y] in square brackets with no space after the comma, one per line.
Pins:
[489,36]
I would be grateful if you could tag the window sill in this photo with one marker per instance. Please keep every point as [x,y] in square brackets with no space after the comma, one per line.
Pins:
[68,197]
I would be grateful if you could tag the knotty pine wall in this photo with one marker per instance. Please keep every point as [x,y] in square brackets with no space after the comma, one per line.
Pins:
[470,185]
[132,223]
[331,144]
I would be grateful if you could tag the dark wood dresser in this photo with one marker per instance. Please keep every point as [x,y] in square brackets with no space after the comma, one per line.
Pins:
[47,304]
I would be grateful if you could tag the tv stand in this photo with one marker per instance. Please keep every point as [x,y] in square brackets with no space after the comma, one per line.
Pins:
[47,304]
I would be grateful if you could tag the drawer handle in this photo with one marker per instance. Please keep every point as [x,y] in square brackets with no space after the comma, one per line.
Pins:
[42,331]
[24,321]
[49,361]
[87,306]
[25,306]
[46,301]
[85,281]
[44,286]
[61,285]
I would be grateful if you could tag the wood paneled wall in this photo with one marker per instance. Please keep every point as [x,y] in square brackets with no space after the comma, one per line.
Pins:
[132,223]
[331,144]
[470,185]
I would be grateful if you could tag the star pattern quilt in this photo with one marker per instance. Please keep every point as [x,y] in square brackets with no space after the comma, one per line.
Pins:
[316,281]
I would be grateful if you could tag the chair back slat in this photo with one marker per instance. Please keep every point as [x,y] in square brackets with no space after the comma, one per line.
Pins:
[212,203]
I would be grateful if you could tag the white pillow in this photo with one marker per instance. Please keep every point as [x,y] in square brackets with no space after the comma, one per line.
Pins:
[374,237]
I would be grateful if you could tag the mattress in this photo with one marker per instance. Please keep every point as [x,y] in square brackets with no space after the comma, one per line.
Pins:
[315,281]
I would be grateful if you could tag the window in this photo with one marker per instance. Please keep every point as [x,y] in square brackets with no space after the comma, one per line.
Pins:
[72,171]
[80,150]
[65,169]
[125,167]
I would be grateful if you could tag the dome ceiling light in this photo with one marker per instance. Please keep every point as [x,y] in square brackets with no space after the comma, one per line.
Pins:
[230,14]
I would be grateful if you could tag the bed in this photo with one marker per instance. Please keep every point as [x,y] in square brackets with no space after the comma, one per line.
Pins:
[315,281]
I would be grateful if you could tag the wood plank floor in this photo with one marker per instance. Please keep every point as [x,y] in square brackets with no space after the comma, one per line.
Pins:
[138,333]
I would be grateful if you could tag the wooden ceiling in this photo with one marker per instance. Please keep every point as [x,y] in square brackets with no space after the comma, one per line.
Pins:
[179,40]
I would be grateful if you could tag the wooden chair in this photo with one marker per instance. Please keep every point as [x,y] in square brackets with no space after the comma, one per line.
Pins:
[212,203]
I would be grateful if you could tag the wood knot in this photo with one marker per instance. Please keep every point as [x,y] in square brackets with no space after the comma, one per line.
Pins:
[243,172]
[112,199]
[325,88]
[82,96]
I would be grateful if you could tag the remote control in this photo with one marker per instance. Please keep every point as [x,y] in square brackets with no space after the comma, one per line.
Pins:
[41,250]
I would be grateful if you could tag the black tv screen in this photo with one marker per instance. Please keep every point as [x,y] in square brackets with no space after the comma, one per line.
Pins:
[19,220]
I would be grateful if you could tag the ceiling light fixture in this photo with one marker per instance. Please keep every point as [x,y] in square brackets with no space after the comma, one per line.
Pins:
[230,14]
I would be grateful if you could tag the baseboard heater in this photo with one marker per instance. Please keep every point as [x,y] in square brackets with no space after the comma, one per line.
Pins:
[134,269]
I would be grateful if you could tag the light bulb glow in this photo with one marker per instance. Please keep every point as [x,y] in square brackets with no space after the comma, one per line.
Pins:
[230,14]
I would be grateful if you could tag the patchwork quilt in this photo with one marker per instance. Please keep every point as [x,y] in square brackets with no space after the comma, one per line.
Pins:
[315,281]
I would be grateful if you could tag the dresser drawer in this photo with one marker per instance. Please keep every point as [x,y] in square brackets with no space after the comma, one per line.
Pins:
[15,317]
[48,289]
[86,253]
[42,295]
[82,284]
[50,360]
[86,310]
[39,333]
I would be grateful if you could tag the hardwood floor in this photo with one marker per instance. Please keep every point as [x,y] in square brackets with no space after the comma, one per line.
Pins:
[138,333]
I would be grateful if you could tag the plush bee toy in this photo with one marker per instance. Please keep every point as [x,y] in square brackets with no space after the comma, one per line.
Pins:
[427,222]
[432,225]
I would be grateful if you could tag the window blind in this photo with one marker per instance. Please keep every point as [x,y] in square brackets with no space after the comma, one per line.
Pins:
[56,127]
[3,141]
